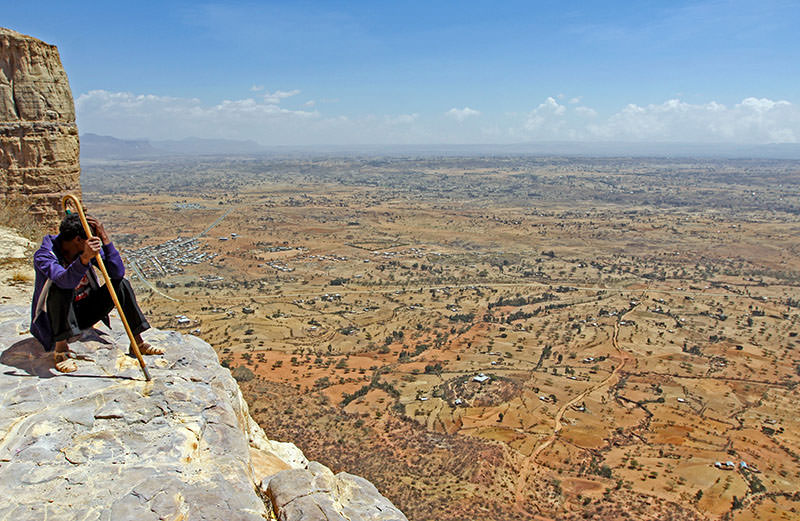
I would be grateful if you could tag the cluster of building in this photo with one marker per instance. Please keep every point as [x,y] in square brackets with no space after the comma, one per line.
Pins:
[276,249]
[280,266]
[327,297]
[332,258]
[729,465]
[168,258]
[416,252]
[277,266]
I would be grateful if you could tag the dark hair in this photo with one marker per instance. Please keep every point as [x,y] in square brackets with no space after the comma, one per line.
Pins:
[71,227]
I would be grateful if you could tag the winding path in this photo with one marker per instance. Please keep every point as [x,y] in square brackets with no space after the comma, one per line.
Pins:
[519,492]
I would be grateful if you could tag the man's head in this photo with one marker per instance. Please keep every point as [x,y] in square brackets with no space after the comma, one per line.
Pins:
[71,227]
[72,235]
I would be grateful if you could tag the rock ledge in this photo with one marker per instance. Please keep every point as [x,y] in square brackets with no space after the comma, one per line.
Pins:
[101,443]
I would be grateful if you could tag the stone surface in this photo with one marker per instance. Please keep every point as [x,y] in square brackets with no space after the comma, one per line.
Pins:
[16,268]
[102,443]
[316,494]
[13,247]
[39,146]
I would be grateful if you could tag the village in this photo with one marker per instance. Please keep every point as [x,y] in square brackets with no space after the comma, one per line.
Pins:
[618,357]
[168,258]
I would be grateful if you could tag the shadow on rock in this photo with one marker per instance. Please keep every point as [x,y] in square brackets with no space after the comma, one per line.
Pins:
[28,356]
[94,335]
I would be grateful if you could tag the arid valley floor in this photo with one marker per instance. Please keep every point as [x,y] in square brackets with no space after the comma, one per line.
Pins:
[494,338]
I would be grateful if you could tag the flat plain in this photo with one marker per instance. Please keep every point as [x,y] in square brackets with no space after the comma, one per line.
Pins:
[494,337]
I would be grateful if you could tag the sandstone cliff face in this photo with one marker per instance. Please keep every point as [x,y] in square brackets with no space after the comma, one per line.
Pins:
[101,443]
[39,147]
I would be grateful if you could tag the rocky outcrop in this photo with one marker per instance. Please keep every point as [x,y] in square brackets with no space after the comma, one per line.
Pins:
[39,147]
[102,443]
[316,494]
[16,269]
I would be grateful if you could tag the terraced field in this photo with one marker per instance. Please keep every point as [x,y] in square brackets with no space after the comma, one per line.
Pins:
[500,338]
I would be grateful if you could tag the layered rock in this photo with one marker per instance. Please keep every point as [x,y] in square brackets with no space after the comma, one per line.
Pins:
[316,494]
[39,147]
[101,443]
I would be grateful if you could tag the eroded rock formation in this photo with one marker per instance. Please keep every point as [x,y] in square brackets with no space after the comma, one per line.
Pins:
[101,443]
[39,147]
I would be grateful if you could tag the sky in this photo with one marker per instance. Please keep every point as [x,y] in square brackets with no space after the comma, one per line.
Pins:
[433,72]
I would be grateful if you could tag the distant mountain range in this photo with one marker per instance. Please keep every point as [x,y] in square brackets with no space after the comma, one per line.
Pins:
[107,147]
[96,147]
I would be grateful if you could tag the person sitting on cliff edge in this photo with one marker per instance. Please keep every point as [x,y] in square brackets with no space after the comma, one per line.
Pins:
[68,298]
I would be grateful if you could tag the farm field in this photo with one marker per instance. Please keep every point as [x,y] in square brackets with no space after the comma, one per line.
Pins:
[494,337]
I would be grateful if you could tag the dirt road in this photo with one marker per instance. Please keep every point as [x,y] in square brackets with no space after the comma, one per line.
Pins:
[557,425]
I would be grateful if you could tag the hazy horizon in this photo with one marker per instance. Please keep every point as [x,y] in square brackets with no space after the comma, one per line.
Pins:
[354,73]
[96,146]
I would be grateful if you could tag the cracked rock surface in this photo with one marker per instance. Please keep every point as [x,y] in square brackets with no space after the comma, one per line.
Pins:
[102,443]
[316,494]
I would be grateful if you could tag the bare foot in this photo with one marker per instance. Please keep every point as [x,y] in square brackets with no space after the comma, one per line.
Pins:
[147,349]
[63,363]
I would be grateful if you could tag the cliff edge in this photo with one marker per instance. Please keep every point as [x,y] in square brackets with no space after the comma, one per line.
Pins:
[101,443]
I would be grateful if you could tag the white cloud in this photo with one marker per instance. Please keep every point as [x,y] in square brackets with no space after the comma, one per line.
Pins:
[575,100]
[402,119]
[264,118]
[130,116]
[310,103]
[462,114]
[586,111]
[552,105]
[256,88]
[275,97]
[547,117]
[753,120]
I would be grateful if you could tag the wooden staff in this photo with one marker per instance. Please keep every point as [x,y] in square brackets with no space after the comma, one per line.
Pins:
[69,198]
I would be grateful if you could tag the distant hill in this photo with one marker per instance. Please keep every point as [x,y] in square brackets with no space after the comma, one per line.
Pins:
[95,147]
[200,146]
